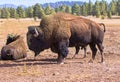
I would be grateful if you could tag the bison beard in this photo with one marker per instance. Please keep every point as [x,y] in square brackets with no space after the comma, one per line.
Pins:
[62,49]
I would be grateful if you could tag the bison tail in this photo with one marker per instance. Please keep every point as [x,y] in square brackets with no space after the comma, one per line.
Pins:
[103,26]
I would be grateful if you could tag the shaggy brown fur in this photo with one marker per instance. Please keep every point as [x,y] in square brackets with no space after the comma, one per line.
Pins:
[14,50]
[57,31]
[84,32]
[54,26]
[54,33]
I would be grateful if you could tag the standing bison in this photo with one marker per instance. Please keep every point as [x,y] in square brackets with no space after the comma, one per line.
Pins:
[53,33]
[14,49]
[62,30]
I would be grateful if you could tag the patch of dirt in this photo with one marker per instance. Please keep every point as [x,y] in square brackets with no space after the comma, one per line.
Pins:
[45,67]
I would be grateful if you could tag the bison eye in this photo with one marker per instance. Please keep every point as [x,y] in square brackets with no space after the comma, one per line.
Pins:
[8,52]
[62,46]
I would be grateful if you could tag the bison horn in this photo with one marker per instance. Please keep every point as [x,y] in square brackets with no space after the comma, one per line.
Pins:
[36,32]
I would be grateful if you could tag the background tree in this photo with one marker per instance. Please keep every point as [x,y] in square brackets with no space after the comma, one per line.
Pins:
[20,12]
[68,9]
[57,9]
[76,9]
[103,8]
[112,7]
[85,9]
[118,7]
[109,14]
[97,9]
[48,10]
[38,11]
[0,12]
[5,13]
[29,12]
[63,8]
[90,8]
[13,13]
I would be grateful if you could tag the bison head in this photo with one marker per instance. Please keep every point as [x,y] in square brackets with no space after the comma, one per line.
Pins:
[35,39]
[7,53]
[10,52]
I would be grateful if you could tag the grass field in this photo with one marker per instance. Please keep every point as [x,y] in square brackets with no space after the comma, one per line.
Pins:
[45,69]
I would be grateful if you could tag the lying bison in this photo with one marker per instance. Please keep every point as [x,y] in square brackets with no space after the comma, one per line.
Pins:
[14,49]
[62,30]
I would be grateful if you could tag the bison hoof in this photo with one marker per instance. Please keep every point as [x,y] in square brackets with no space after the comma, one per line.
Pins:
[102,62]
[73,57]
[61,63]
[90,61]
[60,60]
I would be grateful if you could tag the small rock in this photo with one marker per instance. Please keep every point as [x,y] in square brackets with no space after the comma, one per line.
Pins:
[57,73]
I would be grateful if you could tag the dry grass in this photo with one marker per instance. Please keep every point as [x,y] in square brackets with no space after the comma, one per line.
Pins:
[29,71]
[108,22]
[75,70]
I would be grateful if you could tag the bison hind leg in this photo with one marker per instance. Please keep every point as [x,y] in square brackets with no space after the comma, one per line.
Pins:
[100,47]
[94,50]
[85,52]
[77,50]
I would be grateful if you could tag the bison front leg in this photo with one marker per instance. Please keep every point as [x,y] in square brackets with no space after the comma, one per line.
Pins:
[60,59]
[62,51]
[36,53]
